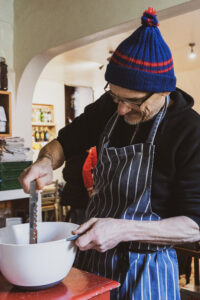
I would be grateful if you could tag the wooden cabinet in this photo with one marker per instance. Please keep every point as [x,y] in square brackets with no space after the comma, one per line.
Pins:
[43,125]
[5,102]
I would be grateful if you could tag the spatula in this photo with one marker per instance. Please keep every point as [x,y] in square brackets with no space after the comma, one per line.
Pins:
[73,237]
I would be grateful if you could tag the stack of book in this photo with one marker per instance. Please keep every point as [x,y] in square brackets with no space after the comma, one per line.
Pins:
[13,149]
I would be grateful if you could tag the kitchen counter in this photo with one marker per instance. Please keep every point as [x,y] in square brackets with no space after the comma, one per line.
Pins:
[77,285]
[13,195]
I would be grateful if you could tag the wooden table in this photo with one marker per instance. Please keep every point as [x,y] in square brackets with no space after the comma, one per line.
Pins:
[77,285]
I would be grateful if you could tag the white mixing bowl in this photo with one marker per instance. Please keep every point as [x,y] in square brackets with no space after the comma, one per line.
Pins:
[41,265]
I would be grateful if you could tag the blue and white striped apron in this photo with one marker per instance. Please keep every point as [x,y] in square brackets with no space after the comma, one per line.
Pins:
[123,190]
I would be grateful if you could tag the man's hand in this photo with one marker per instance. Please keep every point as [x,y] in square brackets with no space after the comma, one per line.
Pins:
[100,234]
[41,171]
[50,158]
[105,234]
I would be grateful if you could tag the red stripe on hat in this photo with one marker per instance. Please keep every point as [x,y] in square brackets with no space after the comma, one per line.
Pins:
[142,62]
[139,69]
[149,22]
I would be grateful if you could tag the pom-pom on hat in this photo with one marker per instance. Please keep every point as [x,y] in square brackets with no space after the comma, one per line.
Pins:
[143,61]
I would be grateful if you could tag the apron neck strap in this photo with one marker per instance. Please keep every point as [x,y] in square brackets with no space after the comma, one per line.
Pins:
[157,121]
[108,129]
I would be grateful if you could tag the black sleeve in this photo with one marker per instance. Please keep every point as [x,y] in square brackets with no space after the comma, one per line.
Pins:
[188,173]
[85,130]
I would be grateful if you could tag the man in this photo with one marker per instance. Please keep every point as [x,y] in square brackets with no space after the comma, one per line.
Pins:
[147,195]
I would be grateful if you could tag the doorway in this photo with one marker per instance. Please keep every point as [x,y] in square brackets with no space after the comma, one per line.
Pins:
[76,98]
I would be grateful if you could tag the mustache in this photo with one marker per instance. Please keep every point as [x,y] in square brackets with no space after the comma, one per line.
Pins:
[140,113]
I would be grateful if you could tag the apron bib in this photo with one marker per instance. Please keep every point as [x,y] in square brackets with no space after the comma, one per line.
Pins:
[123,179]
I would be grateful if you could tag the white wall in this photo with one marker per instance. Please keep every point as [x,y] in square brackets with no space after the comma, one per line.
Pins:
[88,76]
[85,74]
[6,34]
[190,82]
[83,97]
[51,92]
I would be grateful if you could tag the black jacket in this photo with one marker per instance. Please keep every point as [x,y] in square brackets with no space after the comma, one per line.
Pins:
[176,172]
[74,192]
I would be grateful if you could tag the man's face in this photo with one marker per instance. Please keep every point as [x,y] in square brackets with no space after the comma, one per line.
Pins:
[144,111]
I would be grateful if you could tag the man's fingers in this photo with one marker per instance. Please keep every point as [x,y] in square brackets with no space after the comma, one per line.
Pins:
[42,181]
[85,226]
[39,171]
[85,247]
[25,178]
[86,241]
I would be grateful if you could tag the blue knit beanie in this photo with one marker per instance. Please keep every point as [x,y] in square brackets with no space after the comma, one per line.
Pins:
[143,61]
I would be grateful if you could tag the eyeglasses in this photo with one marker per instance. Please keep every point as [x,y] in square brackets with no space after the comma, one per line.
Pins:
[131,102]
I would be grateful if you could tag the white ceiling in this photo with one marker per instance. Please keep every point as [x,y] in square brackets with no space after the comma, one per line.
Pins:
[178,32]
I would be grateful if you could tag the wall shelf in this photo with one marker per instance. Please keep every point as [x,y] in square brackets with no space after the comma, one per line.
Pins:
[13,194]
[42,122]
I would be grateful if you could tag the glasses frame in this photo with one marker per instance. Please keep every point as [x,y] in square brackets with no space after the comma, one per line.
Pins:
[131,102]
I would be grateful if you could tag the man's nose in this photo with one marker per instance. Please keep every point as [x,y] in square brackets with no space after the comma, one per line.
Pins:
[123,109]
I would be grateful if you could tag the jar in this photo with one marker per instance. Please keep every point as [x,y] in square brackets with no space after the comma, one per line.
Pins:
[3,74]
